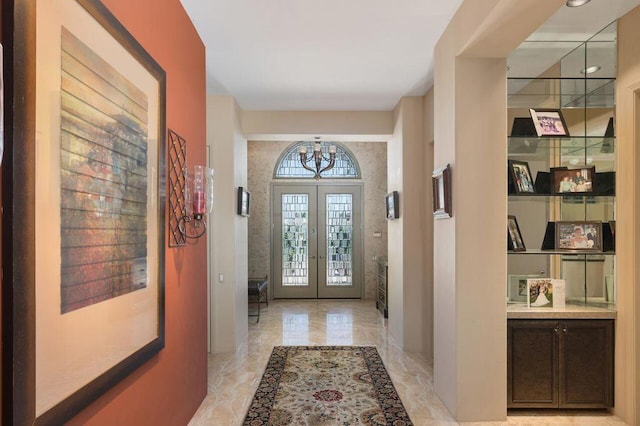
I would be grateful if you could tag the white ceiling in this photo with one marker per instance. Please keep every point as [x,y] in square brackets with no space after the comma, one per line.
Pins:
[319,55]
[353,55]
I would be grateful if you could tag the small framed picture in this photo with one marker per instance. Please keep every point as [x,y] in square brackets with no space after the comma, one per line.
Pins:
[441,180]
[514,237]
[540,292]
[517,289]
[579,236]
[549,122]
[573,180]
[244,201]
[521,176]
[392,203]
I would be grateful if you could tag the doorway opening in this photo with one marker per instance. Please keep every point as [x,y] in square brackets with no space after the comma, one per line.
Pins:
[317,240]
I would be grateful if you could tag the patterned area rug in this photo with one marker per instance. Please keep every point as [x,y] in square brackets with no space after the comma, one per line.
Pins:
[326,385]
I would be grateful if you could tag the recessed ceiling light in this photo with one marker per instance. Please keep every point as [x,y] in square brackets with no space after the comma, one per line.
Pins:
[591,70]
[577,3]
[574,161]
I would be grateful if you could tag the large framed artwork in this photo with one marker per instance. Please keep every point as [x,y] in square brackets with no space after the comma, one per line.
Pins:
[88,274]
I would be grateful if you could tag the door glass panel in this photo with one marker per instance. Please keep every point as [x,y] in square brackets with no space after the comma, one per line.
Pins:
[295,241]
[339,228]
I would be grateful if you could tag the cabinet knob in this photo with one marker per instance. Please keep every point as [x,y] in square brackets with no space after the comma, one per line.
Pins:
[564,328]
[556,329]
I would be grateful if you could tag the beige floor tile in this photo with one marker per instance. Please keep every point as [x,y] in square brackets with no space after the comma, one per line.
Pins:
[233,378]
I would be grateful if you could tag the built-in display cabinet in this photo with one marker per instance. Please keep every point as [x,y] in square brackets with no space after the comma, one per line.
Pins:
[583,194]
[561,261]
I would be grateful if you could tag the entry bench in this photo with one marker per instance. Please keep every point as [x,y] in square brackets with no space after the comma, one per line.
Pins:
[258,293]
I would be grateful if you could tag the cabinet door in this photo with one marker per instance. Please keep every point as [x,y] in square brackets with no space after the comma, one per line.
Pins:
[532,364]
[586,364]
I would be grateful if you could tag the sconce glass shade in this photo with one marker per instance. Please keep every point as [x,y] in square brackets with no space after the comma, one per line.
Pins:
[199,191]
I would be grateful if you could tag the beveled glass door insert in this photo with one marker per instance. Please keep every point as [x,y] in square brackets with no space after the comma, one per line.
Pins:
[317,241]
[295,239]
[340,242]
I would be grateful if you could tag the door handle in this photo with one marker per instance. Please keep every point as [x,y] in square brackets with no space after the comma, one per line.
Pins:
[312,257]
[321,257]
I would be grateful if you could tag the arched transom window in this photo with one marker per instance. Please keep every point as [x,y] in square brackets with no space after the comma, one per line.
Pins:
[289,166]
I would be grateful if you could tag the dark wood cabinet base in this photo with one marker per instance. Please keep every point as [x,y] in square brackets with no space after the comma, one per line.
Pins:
[560,364]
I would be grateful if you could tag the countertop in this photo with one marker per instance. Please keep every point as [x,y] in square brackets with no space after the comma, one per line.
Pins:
[520,311]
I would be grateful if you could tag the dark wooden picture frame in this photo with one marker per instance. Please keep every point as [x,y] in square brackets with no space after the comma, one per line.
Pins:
[392,205]
[521,177]
[549,123]
[572,181]
[22,240]
[578,236]
[244,202]
[441,181]
[515,242]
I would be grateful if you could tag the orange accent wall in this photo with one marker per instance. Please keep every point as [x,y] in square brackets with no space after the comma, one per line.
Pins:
[169,388]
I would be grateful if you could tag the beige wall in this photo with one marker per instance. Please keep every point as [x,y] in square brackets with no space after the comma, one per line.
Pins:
[395,281]
[427,245]
[364,126]
[262,158]
[408,285]
[627,217]
[227,231]
[470,265]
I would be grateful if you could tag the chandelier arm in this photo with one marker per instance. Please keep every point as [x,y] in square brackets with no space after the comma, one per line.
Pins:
[304,161]
[332,162]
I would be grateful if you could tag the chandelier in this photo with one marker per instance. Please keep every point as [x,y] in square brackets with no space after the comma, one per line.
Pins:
[318,158]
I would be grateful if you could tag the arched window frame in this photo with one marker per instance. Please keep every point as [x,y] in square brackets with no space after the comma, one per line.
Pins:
[343,154]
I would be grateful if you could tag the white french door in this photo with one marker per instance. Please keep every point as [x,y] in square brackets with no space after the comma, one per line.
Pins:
[317,241]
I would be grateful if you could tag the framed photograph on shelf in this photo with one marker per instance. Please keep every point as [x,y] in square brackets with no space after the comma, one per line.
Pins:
[90,311]
[392,205]
[540,293]
[549,122]
[521,177]
[579,236]
[514,237]
[441,180]
[517,288]
[244,201]
[567,181]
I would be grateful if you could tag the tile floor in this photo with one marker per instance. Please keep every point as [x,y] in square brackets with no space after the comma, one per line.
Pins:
[233,378]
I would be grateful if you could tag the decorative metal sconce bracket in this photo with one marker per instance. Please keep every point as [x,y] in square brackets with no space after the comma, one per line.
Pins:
[177,188]
[194,231]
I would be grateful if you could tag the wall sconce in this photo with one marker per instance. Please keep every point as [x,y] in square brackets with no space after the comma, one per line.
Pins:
[198,194]
[318,158]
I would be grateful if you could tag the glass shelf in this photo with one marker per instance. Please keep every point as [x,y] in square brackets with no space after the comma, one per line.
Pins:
[561,92]
[573,196]
[574,151]
[567,146]
[562,252]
